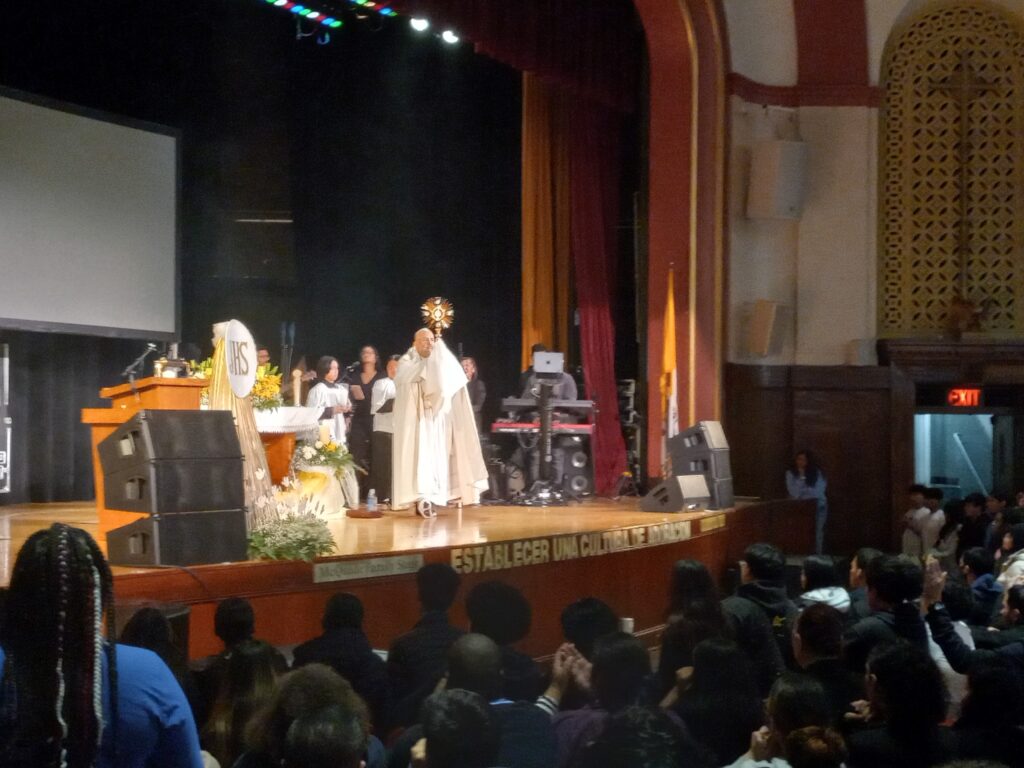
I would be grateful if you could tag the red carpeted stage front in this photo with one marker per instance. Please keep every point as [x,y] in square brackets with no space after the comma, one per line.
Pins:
[604,548]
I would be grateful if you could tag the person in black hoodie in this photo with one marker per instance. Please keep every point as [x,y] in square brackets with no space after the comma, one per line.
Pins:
[762,591]
[344,647]
[817,647]
[893,582]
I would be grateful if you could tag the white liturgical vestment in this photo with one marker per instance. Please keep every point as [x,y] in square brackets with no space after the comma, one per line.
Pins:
[436,450]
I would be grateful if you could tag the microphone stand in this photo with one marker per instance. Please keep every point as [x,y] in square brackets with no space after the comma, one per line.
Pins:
[545,492]
[136,366]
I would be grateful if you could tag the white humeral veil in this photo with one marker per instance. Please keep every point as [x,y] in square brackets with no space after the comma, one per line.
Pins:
[436,452]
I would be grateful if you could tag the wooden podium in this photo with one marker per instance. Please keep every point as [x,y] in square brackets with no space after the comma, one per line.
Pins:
[151,394]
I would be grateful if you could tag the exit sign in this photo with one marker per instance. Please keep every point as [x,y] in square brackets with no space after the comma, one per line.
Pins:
[964,397]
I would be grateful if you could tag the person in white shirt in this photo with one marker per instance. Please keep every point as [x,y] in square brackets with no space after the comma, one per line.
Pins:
[914,521]
[382,402]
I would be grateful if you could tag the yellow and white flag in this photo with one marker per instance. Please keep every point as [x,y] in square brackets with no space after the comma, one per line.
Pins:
[669,377]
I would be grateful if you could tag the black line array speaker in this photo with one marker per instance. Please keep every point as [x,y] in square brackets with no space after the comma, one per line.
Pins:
[164,462]
[189,538]
[677,494]
[184,468]
[703,449]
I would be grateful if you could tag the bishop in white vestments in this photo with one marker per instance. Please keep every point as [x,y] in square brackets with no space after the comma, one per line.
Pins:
[436,451]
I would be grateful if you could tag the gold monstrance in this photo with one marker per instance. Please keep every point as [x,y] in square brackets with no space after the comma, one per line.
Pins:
[437,314]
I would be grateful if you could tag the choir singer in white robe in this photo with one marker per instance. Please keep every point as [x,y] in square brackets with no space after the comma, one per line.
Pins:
[436,452]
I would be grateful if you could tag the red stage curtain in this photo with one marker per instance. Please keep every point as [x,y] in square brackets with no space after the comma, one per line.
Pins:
[593,48]
[594,184]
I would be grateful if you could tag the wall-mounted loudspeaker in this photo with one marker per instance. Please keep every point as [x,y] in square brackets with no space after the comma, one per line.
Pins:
[778,180]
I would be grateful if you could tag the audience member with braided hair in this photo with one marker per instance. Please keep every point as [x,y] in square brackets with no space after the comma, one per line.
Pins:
[70,698]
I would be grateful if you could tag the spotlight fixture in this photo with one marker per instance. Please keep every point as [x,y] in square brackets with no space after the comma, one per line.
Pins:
[420,25]
[449,37]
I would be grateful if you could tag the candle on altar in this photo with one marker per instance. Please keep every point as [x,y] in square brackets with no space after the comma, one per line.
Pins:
[325,433]
[296,387]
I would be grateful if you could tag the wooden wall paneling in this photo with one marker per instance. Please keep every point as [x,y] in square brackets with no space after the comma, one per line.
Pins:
[901,405]
[850,432]
[758,424]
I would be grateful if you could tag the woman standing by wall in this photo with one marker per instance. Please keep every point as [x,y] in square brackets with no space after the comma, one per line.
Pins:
[805,480]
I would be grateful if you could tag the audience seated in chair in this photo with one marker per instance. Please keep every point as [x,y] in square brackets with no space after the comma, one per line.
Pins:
[500,611]
[309,692]
[416,660]
[526,736]
[459,731]
[343,647]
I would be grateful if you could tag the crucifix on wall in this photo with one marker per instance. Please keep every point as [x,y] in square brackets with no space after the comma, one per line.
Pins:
[963,86]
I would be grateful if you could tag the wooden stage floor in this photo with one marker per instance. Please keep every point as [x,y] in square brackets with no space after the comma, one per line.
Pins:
[395,532]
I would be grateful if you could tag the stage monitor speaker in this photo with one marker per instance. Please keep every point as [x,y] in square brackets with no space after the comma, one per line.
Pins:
[153,435]
[677,494]
[778,180]
[190,538]
[703,449]
[577,466]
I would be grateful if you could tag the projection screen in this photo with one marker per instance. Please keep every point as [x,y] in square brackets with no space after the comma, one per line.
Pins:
[88,222]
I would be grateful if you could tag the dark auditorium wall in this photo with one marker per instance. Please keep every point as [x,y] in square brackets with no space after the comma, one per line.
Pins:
[842,413]
[397,155]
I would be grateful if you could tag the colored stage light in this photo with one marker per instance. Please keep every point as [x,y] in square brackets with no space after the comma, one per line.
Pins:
[420,25]
[297,8]
[313,15]
[335,24]
[449,37]
[305,12]
[280,2]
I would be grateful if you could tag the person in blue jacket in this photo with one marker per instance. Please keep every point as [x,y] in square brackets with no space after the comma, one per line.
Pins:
[805,480]
[68,696]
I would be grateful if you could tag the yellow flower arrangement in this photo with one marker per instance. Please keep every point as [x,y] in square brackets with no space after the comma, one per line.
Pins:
[266,392]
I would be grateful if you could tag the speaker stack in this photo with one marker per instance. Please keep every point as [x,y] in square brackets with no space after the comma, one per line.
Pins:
[702,474]
[184,469]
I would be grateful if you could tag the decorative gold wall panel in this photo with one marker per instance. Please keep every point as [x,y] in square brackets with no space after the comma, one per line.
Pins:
[952,121]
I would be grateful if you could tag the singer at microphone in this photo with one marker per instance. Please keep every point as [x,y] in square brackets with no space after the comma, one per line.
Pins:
[361,377]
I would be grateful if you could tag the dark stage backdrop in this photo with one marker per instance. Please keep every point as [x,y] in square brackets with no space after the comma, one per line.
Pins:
[396,156]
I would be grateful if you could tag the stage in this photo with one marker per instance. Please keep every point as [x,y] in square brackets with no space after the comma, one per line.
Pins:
[601,547]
